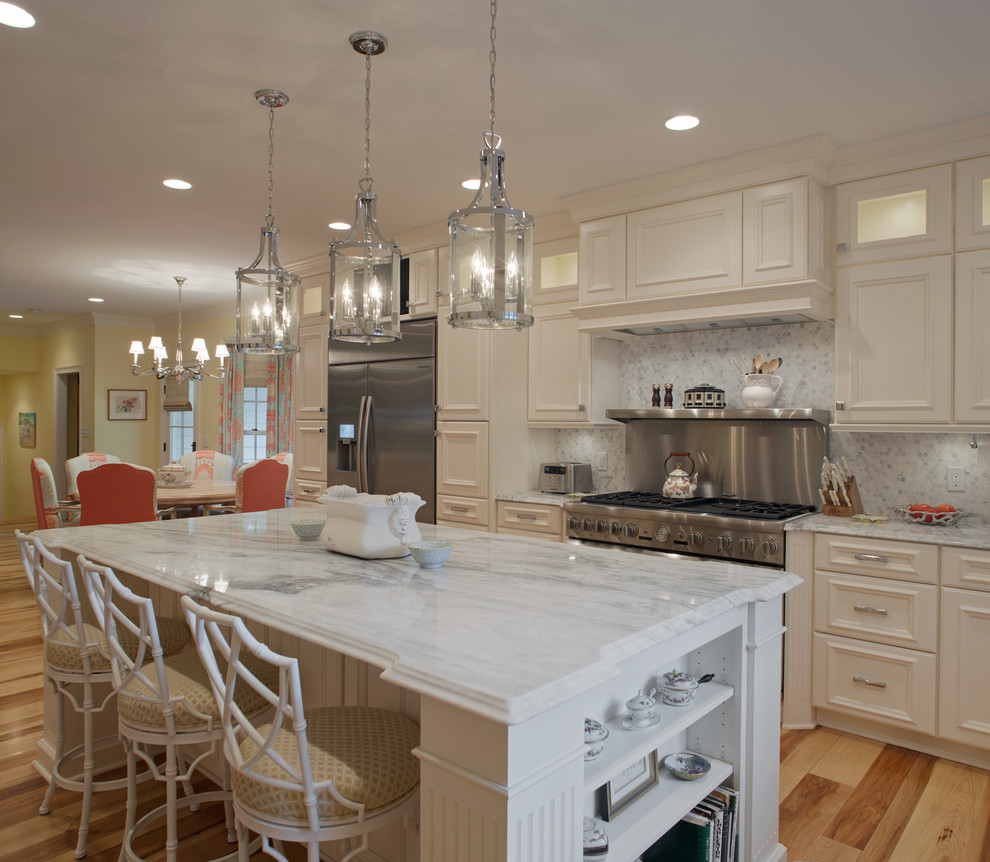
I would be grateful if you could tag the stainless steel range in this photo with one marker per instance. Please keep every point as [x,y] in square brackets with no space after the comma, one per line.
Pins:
[760,465]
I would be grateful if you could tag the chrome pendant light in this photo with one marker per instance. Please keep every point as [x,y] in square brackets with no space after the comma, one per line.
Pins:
[364,266]
[268,295]
[491,243]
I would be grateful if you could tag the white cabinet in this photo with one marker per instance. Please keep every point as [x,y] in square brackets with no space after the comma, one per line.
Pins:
[315,289]
[783,232]
[555,271]
[602,260]
[893,342]
[908,214]
[573,376]
[972,346]
[462,459]
[422,284]
[309,459]
[688,246]
[309,395]
[973,204]
[463,372]
[530,519]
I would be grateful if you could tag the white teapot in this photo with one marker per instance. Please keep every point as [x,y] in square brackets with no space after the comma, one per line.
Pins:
[679,484]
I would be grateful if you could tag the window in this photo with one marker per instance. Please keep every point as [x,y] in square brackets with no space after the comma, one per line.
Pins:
[255,420]
[180,428]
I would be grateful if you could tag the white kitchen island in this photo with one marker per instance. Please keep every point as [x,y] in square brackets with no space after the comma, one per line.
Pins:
[499,656]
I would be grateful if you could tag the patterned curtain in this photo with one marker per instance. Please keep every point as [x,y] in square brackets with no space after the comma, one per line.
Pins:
[278,423]
[231,439]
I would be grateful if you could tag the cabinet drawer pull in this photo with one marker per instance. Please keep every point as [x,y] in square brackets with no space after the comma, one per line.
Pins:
[863,679]
[873,558]
[459,509]
[528,516]
[866,609]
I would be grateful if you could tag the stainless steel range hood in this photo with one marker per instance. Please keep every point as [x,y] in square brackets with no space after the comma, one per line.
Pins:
[726,414]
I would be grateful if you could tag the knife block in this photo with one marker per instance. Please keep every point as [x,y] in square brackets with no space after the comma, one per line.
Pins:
[852,492]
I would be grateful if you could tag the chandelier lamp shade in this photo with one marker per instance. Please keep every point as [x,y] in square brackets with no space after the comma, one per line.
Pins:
[268,295]
[491,243]
[182,369]
[365,266]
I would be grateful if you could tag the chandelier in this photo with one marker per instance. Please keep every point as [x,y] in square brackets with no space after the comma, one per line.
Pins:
[491,244]
[268,298]
[189,370]
[364,266]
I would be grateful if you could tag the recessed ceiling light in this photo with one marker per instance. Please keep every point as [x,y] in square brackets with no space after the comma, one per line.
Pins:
[471,184]
[682,122]
[95,299]
[16,316]
[339,225]
[15,16]
[177,184]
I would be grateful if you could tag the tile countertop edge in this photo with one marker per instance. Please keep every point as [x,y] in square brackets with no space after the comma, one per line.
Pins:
[969,532]
[538,497]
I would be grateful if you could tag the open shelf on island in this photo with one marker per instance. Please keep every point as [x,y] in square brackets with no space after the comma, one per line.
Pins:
[637,827]
[625,746]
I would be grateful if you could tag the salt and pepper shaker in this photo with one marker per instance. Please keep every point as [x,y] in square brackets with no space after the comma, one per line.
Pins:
[656,394]
[668,395]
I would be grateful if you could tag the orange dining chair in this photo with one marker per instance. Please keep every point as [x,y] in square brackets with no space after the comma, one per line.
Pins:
[50,511]
[208,464]
[118,494]
[285,458]
[74,467]
[259,487]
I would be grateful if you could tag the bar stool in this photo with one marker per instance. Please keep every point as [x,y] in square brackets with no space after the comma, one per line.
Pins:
[305,776]
[75,658]
[164,702]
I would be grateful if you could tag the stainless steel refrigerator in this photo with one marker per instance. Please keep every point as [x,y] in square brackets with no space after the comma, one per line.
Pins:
[382,417]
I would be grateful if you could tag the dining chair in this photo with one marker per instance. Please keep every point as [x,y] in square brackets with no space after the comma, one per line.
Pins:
[285,458]
[164,704]
[259,487]
[74,467]
[118,493]
[209,464]
[326,774]
[50,511]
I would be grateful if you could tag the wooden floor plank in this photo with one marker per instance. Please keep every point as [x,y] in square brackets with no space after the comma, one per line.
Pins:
[827,850]
[856,821]
[848,760]
[803,756]
[807,811]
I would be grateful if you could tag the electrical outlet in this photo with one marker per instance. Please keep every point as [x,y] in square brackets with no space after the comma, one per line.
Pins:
[601,461]
[955,479]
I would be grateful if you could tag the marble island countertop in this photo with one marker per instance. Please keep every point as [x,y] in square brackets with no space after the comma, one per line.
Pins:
[508,628]
[968,532]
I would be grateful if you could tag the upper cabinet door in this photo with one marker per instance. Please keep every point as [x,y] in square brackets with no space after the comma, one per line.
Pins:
[463,372]
[685,247]
[309,397]
[972,344]
[555,271]
[602,260]
[783,232]
[423,283]
[973,204]
[315,297]
[894,216]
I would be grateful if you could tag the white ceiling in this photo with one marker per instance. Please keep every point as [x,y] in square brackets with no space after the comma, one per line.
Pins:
[105,98]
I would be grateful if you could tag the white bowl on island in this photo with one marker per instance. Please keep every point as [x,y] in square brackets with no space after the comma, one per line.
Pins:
[430,554]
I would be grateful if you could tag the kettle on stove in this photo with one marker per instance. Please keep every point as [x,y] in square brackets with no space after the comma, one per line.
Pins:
[679,484]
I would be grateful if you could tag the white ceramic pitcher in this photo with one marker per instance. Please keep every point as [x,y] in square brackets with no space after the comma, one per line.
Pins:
[760,390]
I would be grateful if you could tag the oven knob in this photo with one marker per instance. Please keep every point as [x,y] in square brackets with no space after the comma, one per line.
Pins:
[573,523]
[696,537]
[724,543]
[616,528]
[771,547]
[601,527]
[631,531]
[746,544]
[663,533]
[587,525]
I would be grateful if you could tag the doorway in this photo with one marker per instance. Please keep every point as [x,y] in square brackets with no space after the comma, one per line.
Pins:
[68,437]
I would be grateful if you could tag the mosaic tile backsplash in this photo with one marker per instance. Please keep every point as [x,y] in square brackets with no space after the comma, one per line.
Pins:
[891,469]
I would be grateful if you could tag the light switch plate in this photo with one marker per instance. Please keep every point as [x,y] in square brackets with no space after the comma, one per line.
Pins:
[601,461]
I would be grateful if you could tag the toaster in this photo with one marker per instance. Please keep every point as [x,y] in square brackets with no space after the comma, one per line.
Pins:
[565,477]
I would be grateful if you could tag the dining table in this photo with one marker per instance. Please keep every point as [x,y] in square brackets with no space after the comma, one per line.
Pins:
[196,494]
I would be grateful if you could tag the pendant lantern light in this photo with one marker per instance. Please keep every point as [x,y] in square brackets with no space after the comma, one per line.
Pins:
[364,266]
[491,243]
[268,295]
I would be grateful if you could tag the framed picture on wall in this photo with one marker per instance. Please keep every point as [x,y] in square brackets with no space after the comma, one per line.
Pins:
[127,404]
[27,430]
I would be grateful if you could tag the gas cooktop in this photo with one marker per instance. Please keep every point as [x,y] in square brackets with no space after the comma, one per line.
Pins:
[729,507]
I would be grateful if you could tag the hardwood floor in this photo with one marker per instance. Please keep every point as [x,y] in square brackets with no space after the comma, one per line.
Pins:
[843,798]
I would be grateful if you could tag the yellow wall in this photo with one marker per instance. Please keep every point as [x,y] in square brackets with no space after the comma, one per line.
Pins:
[19,353]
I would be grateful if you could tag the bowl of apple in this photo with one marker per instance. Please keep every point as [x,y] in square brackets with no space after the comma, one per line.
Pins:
[940,514]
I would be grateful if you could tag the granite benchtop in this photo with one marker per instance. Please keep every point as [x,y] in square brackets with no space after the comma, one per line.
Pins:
[508,628]
[967,532]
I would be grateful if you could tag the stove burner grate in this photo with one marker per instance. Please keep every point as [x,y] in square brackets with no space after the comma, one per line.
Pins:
[729,507]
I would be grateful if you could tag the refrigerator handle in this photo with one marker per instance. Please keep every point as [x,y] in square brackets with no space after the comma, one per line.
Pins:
[363,425]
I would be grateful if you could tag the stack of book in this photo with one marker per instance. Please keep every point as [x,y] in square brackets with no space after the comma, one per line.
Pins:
[707,833]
